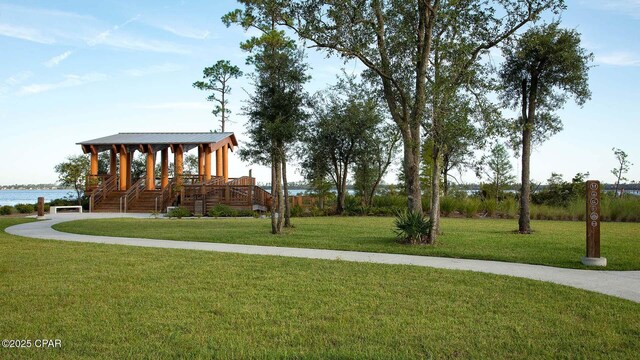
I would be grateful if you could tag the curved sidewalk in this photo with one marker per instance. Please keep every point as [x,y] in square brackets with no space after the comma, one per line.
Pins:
[623,284]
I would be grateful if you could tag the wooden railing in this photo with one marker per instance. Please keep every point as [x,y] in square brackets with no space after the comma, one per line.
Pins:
[133,193]
[100,193]
[244,180]
[167,194]
[239,192]
[95,181]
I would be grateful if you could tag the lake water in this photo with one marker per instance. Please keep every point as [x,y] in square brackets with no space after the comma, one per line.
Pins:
[12,197]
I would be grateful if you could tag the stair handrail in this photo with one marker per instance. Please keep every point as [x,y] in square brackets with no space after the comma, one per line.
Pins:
[165,195]
[133,192]
[101,192]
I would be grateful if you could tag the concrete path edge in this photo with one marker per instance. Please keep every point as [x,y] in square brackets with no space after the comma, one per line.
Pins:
[622,284]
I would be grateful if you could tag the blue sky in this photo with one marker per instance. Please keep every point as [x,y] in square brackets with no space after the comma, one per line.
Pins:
[77,70]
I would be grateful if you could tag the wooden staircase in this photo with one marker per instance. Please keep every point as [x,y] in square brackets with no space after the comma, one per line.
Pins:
[146,202]
[110,203]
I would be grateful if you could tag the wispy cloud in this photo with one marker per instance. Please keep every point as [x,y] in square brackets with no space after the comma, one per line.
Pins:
[150,70]
[187,32]
[69,81]
[619,59]
[51,26]
[25,33]
[103,36]
[14,80]
[174,106]
[56,60]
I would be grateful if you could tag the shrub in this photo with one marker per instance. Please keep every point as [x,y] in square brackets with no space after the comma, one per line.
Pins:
[490,207]
[6,210]
[447,205]
[296,210]
[245,213]
[25,208]
[412,227]
[179,212]
[471,207]
[221,210]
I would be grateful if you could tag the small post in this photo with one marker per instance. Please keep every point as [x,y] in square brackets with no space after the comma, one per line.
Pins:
[40,207]
[592,257]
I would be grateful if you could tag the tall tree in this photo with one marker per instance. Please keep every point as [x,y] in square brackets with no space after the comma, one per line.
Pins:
[217,79]
[621,169]
[276,109]
[541,70]
[498,171]
[394,40]
[373,159]
[73,172]
[344,120]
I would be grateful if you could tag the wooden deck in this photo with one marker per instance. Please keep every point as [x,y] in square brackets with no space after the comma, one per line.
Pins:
[194,194]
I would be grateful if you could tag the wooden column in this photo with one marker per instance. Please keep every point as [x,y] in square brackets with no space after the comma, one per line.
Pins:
[112,162]
[225,162]
[94,162]
[164,161]
[200,163]
[219,162]
[124,159]
[178,163]
[207,162]
[151,169]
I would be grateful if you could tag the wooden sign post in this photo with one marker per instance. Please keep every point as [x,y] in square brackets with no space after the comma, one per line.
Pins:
[592,257]
[40,207]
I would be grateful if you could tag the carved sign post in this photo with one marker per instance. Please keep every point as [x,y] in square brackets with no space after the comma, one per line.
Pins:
[593,225]
[41,207]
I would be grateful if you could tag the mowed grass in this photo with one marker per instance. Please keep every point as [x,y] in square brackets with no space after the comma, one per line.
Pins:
[109,301]
[554,243]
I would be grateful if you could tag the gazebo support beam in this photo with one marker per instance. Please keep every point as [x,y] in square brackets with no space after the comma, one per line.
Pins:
[219,162]
[94,162]
[151,168]
[178,162]
[164,159]
[124,157]
[207,163]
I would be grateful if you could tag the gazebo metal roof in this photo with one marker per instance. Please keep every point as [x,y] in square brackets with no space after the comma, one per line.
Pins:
[160,140]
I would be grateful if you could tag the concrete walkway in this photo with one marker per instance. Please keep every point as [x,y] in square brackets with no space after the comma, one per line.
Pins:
[623,284]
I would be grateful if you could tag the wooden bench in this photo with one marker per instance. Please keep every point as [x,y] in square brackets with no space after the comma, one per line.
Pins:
[54,209]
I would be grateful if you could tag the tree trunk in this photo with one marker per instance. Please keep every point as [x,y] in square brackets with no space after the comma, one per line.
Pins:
[287,209]
[411,146]
[280,217]
[434,212]
[274,196]
[529,112]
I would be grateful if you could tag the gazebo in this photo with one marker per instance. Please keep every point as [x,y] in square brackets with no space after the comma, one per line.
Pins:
[117,191]
[125,144]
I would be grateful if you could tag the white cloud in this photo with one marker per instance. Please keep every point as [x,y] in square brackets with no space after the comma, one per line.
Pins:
[103,36]
[150,70]
[140,44]
[187,32]
[69,81]
[25,33]
[619,59]
[51,26]
[175,106]
[54,61]
[14,80]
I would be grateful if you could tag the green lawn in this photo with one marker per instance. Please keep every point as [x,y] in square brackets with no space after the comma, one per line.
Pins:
[555,243]
[109,301]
